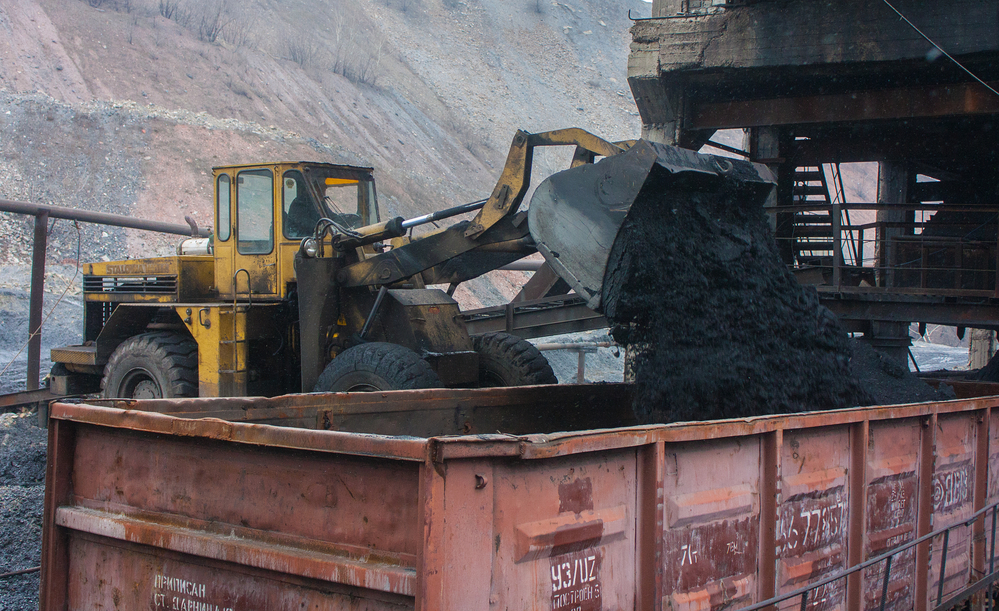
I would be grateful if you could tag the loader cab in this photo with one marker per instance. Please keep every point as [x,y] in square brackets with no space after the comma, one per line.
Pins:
[262,212]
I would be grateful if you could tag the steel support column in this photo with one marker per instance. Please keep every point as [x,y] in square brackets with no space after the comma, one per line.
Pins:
[37,295]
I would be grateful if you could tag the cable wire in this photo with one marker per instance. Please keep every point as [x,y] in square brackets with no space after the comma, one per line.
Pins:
[941,49]
[33,569]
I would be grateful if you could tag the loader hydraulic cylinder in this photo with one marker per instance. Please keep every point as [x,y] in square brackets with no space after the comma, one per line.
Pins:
[392,228]
[443,214]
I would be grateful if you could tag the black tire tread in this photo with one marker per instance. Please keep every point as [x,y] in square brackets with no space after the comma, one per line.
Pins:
[522,363]
[402,368]
[177,354]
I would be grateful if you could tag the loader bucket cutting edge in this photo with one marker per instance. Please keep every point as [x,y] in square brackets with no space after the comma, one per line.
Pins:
[575,215]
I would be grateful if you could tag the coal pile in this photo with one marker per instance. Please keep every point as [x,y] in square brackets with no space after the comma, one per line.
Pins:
[718,326]
[889,383]
[22,491]
[989,373]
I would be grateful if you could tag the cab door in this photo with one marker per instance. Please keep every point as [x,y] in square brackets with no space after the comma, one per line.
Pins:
[254,259]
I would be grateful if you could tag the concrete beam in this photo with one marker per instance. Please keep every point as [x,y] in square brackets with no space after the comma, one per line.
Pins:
[801,62]
[959,99]
[808,33]
[659,106]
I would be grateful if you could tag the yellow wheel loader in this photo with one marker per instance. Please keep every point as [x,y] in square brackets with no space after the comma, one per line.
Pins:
[303,287]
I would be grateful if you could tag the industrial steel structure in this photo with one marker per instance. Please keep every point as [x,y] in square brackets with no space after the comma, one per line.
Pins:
[903,83]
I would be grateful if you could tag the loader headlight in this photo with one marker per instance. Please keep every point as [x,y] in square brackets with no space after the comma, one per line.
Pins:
[309,247]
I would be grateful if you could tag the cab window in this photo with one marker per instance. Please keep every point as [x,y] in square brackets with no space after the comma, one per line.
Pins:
[300,210]
[367,207]
[255,212]
[347,196]
[223,199]
[343,197]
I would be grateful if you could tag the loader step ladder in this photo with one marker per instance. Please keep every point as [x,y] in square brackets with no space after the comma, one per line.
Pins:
[812,233]
[233,348]
[232,351]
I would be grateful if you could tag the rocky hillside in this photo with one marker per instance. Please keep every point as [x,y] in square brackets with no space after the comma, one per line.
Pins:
[125,105]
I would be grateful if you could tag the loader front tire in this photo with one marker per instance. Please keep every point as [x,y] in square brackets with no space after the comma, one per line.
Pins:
[376,367]
[152,366]
[507,360]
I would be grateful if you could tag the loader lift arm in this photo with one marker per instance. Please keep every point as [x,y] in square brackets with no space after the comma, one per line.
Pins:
[497,234]
[516,177]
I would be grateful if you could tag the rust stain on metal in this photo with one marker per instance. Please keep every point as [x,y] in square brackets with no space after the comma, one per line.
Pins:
[575,496]
[810,523]
[717,555]
[711,523]
[952,498]
[891,520]
[813,515]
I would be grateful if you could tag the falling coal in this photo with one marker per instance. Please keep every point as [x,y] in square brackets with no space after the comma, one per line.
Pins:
[717,325]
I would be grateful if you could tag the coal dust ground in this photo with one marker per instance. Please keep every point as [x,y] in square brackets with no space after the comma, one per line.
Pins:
[22,489]
[719,327]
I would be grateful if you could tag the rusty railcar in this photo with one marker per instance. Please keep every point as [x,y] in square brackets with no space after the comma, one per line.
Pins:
[415,499]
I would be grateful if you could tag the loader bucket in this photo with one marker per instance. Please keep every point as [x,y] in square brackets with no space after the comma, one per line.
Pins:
[575,215]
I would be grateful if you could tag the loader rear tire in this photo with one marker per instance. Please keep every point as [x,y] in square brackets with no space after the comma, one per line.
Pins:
[507,360]
[376,367]
[152,366]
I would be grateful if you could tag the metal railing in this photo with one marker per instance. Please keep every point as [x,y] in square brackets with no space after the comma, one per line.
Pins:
[893,254]
[986,581]
[42,214]
[101,218]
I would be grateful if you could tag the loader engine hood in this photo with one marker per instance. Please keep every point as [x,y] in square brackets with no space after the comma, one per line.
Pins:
[575,215]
